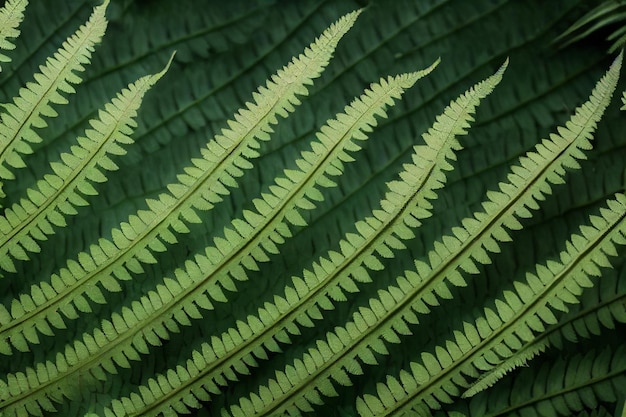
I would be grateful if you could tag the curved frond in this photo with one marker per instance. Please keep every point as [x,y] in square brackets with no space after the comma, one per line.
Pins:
[21,118]
[11,15]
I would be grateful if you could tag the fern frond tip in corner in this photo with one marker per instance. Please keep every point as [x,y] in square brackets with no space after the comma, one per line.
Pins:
[11,15]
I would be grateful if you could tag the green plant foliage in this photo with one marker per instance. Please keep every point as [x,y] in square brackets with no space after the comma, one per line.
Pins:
[609,14]
[241,233]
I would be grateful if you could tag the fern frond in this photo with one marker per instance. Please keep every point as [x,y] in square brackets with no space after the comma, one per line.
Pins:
[564,386]
[11,15]
[201,186]
[175,301]
[529,182]
[516,318]
[609,310]
[70,182]
[324,159]
[21,118]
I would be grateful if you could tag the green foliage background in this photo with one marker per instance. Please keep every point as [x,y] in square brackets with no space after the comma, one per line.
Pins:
[226,49]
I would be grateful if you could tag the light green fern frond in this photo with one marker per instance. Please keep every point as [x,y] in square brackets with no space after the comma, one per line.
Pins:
[304,256]
[563,282]
[578,130]
[175,301]
[259,336]
[11,15]
[401,210]
[56,195]
[21,118]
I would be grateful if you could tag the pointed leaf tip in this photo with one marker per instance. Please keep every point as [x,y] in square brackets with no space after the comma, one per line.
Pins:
[503,67]
[618,60]
[167,66]
[100,10]
[345,22]
[412,77]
